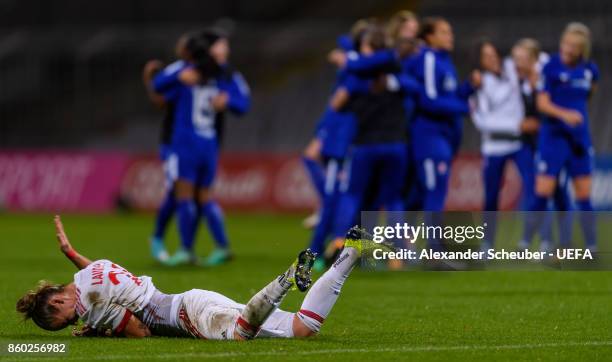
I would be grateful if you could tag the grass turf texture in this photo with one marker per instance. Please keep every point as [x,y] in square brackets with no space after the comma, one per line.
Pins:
[492,315]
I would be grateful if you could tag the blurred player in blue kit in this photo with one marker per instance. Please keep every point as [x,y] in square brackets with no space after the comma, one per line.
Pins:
[325,155]
[568,81]
[402,44]
[529,61]
[378,149]
[441,106]
[202,87]
[168,206]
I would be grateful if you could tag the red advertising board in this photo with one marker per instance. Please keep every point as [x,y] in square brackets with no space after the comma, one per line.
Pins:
[95,182]
[54,180]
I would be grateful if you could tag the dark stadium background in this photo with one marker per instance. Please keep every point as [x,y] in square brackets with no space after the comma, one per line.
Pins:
[77,132]
[79,137]
[70,70]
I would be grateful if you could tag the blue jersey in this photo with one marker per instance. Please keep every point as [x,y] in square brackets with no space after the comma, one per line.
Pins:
[336,129]
[194,114]
[239,97]
[569,87]
[441,103]
[233,83]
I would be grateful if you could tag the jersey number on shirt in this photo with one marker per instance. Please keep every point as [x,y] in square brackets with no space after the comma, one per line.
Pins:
[203,112]
[112,275]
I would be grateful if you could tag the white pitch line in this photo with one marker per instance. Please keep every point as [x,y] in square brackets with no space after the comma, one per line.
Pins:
[165,356]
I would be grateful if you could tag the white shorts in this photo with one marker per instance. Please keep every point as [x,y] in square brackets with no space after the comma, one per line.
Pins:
[210,315]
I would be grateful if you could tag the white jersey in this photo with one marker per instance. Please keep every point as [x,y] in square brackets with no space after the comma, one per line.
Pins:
[108,294]
[499,111]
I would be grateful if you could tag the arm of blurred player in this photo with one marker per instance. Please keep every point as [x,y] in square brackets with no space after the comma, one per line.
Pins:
[369,65]
[151,68]
[530,125]
[547,107]
[339,99]
[238,92]
[173,76]
[219,102]
[77,259]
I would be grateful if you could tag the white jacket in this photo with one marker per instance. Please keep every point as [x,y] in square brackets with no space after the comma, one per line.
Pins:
[498,110]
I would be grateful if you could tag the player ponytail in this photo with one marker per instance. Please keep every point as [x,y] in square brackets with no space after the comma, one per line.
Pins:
[582,31]
[35,305]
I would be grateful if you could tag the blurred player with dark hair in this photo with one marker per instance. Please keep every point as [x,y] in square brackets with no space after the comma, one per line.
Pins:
[568,81]
[401,37]
[238,103]
[441,106]
[168,206]
[379,147]
[220,51]
[200,93]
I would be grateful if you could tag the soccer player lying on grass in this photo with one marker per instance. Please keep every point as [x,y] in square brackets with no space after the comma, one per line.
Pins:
[113,302]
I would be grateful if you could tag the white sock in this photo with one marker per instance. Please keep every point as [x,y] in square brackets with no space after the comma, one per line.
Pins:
[262,304]
[323,294]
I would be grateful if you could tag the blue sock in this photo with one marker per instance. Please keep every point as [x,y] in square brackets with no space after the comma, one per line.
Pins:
[546,227]
[317,176]
[214,218]
[186,222]
[434,219]
[164,214]
[323,228]
[587,221]
[535,217]
[346,211]
[490,218]
[565,219]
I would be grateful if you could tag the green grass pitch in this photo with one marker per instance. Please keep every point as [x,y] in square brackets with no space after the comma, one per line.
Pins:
[480,315]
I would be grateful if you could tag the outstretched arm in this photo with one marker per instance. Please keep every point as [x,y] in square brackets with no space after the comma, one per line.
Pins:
[77,259]
[151,68]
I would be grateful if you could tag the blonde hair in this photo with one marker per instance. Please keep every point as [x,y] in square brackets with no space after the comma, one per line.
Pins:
[396,21]
[359,27]
[531,45]
[576,28]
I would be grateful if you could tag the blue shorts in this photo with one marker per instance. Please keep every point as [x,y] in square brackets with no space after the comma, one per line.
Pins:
[556,153]
[197,163]
[433,150]
[431,142]
[164,152]
[321,127]
[387,162]
[493,174]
